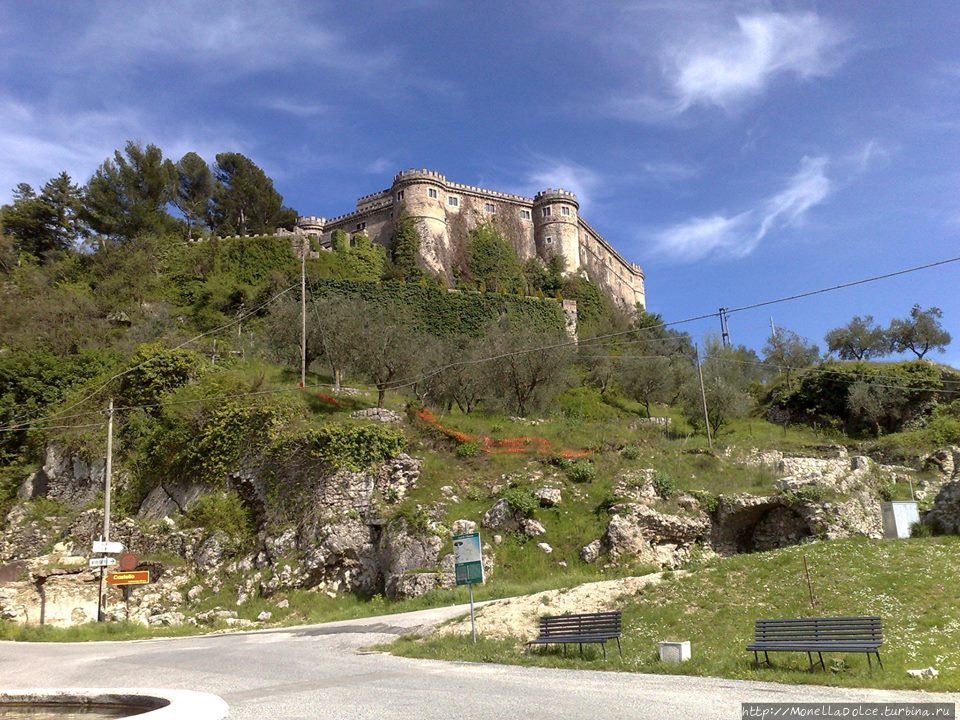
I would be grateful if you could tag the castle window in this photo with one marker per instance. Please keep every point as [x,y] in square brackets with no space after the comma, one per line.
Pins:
[361,226]
[400,196]
[564,210]
[525,214]
[489,207]
[548,241]
[453,201]
[546,212]
[431,192]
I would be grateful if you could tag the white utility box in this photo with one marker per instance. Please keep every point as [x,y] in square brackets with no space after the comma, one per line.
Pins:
[897,518]
[674,651]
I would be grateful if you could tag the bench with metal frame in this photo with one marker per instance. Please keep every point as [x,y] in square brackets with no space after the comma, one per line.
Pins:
[818,635]
[580,628]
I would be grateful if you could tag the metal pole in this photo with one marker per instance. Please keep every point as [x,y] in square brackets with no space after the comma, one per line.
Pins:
[303,313]
[724,328]
[703,396]
[806,570]
[107,476]
[473,623]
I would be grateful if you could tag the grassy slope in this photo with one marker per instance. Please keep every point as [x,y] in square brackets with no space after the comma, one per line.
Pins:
[911,584]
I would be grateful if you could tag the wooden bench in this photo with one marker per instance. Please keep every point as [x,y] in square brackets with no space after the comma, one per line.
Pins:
[818,635]
[580,628]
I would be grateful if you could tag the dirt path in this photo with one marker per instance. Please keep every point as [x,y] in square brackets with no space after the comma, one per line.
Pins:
[517,617]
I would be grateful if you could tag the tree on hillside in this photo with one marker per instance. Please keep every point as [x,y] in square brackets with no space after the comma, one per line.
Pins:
[334,318]
[727,376]
[48,222]
[531,366]
[785,351]
[388,349]
[405,249]
[919,333]
[463,380]
[129,193]
[244,199]
[859,339]
[492,259]
[194,190]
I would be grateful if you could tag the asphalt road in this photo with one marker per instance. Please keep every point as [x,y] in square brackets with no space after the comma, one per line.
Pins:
[322,671]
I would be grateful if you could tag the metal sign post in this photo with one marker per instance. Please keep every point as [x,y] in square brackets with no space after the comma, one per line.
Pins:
[468,568]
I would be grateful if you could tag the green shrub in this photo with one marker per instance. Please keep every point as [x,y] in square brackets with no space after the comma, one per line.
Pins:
[664,485]
[630,452]
[708,501]
[582,472]
[559,462]
[920,530]
[521,500]
[224,512]
[468,449]
[585,403]
[355,446]
[804,495]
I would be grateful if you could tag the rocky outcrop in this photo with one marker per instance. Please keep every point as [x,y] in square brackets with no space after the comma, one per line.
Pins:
[641,533]
[66,476]
[379,414]
[171,500]
[944,516]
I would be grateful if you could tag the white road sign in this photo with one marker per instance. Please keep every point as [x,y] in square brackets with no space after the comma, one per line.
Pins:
[101,546]
[102,562]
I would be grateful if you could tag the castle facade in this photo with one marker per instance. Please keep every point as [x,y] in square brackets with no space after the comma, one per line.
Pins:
[546,225]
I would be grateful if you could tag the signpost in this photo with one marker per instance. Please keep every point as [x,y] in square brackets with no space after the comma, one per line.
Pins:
[468,568]
[138,577]
[104,546]
[102,562]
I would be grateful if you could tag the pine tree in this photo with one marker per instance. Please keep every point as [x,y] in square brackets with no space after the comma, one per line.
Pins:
[244,199]
[194,189]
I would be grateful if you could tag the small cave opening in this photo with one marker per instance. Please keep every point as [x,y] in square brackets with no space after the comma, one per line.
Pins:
[762,527]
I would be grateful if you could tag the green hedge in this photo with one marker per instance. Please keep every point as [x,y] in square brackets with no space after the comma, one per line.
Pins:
[442,312]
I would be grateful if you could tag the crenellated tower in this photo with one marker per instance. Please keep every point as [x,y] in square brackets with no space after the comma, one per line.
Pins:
[556,226]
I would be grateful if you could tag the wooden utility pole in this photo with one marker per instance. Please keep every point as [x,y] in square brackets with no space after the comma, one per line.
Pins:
[107,477]
[703,397]
[303,312]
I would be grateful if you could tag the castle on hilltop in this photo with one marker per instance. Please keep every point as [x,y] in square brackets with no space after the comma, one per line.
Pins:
[544,226]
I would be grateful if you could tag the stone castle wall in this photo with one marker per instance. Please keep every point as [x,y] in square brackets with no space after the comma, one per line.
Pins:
[543,226]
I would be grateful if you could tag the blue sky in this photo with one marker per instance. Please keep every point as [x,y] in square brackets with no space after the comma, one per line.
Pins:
[738,151]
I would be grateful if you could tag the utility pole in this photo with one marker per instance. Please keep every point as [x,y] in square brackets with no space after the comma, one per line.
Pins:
[724,328]
[703,396]
[303,312]
[107,477]
[773,329]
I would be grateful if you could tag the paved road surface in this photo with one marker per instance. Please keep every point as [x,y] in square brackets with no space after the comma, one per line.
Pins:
[321,671]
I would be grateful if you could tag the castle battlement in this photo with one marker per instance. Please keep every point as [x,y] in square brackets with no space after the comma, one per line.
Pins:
[434,201]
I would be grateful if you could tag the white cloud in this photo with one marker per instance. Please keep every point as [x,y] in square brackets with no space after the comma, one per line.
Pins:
[809,187]
[740,64]
[562,174]
[293,107]
[739,235]
[699,237]
[707,63]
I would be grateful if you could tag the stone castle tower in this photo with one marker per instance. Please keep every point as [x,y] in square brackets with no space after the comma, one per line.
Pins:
[547,225]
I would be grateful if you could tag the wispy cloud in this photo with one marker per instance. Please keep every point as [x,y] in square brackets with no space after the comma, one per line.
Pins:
[719,66]
[739,235]
[557,174]
[293,107]
[809,187]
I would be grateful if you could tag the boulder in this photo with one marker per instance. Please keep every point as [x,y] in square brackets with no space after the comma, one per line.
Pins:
[590,552]
[531,527]
[944,516]
[545,547]
[548,496]
[463,527]
[169,500]
[501,516]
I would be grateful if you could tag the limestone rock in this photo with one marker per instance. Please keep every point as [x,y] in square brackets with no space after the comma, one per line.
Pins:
[945,513]
[548,496]
[168,500]
[545,547]
[590,552]
[531,527]
[378,414]
[463,527]
[501,517]
[264,615]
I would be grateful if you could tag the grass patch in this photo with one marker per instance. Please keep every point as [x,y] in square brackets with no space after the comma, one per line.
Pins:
[910,584]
